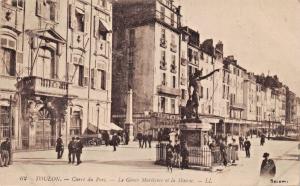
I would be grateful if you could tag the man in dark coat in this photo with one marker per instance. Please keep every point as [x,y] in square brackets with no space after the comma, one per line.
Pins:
[126,136]
[268,168]
[241,142]
[185,156]
[223,152]
[262,140]
[115,141]
[159,136]
[247,146]
[5,148]
[72,149]
[139,137]
[105,138]
[149,138]
[78,149]
[145,139]
[59,147]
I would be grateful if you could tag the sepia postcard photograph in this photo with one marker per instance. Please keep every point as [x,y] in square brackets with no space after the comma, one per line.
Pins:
[150,92]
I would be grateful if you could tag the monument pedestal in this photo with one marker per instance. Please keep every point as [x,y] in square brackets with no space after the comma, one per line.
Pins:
[194,132]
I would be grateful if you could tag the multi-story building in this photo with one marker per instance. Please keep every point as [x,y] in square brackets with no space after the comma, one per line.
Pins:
[236,96]
[146,43]
[56,68]
[250,99]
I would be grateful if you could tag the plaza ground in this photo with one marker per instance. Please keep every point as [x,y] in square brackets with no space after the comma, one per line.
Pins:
[130,165]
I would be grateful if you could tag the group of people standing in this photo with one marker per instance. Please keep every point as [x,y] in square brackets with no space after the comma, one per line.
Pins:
[75,147]
[245,145]
[176,155]
[144,139]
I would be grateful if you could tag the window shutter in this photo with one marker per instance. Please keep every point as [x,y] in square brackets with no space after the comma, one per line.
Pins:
[72,17]
[59,49]
[57,8]
[166,105]
[96,26]
[19,65]
[39,5]
[71,69]
[34,43]
[86,21]
[94,78]
[86,76]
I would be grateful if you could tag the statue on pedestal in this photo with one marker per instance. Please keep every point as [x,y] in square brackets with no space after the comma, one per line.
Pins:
[190,111]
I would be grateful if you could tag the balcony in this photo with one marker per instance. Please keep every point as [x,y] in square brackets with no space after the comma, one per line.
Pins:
[183,81]
[239,106]
[168,90]
[42,86]
[173,68]
[183,61]
[173,47]
[163,65]
[163,42]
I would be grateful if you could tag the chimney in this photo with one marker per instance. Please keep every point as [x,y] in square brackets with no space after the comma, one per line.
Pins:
[219,47]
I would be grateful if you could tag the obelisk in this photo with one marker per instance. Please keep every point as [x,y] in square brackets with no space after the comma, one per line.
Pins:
[129,121]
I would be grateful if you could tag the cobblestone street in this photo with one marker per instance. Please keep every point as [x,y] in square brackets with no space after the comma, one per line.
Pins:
[130,165]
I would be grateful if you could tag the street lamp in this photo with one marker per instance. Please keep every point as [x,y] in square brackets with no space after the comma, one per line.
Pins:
[97,131]
[269,126]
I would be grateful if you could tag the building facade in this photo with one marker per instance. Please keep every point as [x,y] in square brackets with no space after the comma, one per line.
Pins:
[147,60]
[56,77]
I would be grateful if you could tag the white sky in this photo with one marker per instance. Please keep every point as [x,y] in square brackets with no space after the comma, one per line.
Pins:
[263,35]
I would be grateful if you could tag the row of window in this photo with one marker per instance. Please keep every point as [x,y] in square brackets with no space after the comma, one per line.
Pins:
[163,105]
[165,82]
[79,75]
[163,41]
[163,62]
[170,20]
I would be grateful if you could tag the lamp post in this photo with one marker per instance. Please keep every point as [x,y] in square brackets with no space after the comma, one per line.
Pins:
[97,131]
[269,126]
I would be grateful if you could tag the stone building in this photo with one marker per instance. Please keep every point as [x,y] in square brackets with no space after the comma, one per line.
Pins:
[56,67]
[146,59]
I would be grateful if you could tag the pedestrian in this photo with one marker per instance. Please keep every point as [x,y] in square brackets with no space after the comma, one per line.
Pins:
[223,152]
[184,156]
[169,156]
[78,150]
[126,136]
[5,148]
[262,140]
[145,139]
[59,147]
[149,138]
[114,141]
[139,137]
[177,156]
[159,136]
[247,146]
[241,142]
[72,150]
[234,151]
[212,147]
[268,168]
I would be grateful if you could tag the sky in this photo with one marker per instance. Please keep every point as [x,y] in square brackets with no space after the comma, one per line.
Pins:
[263,35]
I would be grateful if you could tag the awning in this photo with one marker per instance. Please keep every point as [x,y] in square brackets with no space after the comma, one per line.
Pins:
[114,127]
[93,128]
[103,26]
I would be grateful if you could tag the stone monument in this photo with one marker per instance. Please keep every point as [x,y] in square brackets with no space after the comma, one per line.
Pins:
[129,120]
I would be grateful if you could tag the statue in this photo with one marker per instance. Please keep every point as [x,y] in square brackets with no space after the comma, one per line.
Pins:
[192,104]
